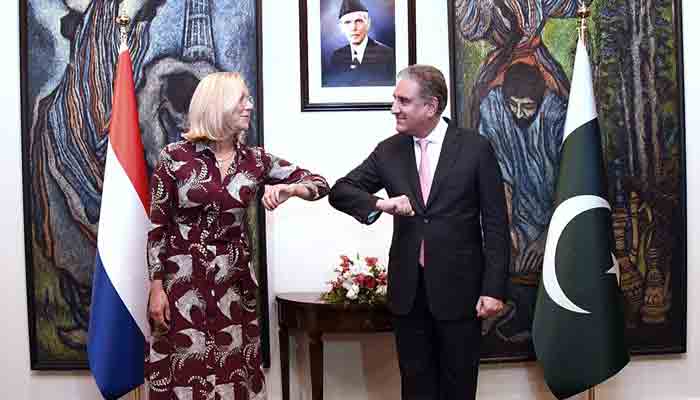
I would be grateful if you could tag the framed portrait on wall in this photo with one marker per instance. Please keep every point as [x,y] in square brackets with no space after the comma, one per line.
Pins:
[351,50]
[68,59]
[510,53]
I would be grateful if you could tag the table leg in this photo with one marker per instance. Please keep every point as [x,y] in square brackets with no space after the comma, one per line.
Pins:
[316,365]
[284,360]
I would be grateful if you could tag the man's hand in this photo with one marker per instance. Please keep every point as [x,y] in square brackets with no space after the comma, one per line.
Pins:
[533,256]
[277,194]
[399,205]
[158,308]
[488,307]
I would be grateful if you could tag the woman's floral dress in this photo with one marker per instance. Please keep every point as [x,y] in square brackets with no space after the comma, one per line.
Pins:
[198,246]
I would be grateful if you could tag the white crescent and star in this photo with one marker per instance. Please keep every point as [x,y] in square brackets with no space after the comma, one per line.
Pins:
[563,215]
[581,99]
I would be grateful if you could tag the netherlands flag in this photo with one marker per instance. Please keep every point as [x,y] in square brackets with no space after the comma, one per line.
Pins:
[118,320]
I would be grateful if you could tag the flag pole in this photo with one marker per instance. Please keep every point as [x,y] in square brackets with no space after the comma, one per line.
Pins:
[123,21]
[136,393]
[583,13]
[591,393]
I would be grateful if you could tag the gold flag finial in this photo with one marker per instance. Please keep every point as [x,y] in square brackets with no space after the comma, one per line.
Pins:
[123,21]
[583,13]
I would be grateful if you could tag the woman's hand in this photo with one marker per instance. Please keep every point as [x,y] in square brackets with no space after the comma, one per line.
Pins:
[158,308]
[278,194]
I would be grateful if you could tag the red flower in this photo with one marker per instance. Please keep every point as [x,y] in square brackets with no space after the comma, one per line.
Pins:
[346,262]
[370,282]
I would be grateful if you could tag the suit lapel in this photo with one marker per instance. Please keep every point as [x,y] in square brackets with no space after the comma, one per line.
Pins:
[448,154]
[408,160]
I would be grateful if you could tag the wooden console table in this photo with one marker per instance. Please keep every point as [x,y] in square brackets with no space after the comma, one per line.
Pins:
[305,312]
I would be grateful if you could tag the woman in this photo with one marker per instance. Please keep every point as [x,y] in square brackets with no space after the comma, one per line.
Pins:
[202,300]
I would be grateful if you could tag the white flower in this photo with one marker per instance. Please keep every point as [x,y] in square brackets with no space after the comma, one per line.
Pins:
[353,292]
[381,289]
[347,284]
[356,269]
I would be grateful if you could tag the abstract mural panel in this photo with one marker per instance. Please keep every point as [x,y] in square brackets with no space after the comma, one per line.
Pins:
[68,55]
[511,61]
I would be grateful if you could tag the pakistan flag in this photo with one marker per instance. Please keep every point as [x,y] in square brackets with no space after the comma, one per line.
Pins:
[578,329]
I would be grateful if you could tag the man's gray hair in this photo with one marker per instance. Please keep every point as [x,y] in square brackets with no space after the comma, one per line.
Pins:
[430,80]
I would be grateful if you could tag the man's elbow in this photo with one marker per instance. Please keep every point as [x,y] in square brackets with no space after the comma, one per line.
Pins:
[335,195]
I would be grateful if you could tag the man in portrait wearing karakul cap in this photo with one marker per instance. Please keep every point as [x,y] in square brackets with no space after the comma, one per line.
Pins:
[364,61]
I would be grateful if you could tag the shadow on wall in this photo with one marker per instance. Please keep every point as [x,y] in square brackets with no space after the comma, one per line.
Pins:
[356,367]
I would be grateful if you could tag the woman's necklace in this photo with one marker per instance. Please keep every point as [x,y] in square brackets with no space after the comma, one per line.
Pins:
[221,161]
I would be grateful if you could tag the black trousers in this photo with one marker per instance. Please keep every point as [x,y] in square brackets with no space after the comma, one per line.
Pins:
[438,360]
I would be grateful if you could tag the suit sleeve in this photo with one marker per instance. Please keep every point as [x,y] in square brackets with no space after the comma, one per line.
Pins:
[353,194]
[494,225]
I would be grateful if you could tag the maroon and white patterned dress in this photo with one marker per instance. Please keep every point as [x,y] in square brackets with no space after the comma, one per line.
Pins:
[198,246]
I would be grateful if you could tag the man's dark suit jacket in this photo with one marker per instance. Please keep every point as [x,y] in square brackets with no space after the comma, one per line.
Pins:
[464,224]
[378,67]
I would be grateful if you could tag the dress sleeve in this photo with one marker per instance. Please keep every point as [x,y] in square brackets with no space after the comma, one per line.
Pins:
[279,171]
[163,195]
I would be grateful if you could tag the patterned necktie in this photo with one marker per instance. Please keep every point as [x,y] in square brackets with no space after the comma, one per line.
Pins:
[425,182]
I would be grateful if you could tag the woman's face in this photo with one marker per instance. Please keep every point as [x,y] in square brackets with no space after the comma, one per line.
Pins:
[242,111]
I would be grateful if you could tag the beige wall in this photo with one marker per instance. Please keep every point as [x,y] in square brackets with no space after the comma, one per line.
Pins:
[304,240]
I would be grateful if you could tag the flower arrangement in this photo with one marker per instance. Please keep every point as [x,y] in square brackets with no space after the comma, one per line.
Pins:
[358,281]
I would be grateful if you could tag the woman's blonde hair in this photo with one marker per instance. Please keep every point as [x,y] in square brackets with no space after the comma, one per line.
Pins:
[212,106]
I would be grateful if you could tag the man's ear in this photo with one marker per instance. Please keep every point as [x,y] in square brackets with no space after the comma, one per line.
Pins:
[433,104]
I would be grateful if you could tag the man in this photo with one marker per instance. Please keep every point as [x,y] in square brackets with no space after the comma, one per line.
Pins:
[513,30]
[525,121]
[450,247]
[364,61]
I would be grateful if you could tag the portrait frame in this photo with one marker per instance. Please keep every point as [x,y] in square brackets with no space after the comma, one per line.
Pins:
[49,291]
[313,28]
[651,328]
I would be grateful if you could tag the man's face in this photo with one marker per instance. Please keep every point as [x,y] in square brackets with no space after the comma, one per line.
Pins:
[355,26]
[413,113]
[523,110]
